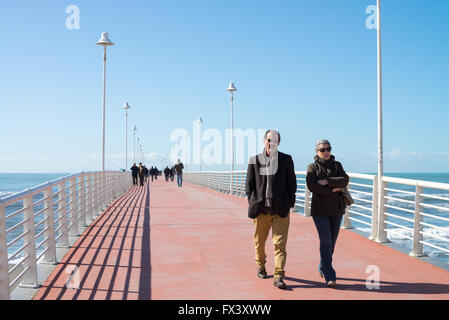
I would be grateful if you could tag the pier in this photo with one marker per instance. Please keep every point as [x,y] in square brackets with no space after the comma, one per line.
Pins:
[162,242]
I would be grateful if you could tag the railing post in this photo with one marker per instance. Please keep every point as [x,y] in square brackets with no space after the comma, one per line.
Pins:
[100,192]
[116,185]
[90,198]
[63,221]
[97,193]
[4,276]
[223,184]
[29,279]
[82,193]
[73,230]
[381,232]
[306,202]
[417,250]
[241,185]
[50,255]
[346,220]
[104,190]
[231,183]
[374,210]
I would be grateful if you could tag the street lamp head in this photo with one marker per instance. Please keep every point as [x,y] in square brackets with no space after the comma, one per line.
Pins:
[134,128]
[231,87]
[105,41]
[126,106]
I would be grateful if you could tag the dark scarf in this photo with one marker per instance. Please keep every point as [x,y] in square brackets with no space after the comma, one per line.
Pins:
[323,162]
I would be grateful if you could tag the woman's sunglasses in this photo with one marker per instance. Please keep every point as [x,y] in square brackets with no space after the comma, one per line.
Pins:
[325,149]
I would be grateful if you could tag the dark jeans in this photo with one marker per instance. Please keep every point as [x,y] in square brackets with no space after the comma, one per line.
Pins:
[328,228]
[135,179]
[142,179]
[179,179]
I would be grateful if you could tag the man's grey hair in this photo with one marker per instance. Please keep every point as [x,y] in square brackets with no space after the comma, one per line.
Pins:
[322,141]
[270,130]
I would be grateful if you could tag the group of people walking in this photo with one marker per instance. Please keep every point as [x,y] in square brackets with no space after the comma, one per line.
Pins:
[271,188]
[176,169]
[143,173]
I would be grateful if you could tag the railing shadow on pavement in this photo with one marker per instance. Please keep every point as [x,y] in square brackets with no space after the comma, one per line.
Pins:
[104,225]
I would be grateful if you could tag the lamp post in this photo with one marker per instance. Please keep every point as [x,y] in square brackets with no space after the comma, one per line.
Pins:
[134,129]
[200,122]
[231,89]
[187,149]
[138,142]
[105,42]
[126,107]
[381,234]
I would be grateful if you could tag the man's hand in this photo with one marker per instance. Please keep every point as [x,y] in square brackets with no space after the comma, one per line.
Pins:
[337,189]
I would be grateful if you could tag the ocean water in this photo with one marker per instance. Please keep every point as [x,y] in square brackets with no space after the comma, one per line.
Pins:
[14,182]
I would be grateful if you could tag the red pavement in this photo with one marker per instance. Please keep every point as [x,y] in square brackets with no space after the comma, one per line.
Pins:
[194,243]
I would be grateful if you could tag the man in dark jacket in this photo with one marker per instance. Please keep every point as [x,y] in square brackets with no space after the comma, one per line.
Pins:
[271,188]
[178,170]
[152,173]
[166,173]
[134,172]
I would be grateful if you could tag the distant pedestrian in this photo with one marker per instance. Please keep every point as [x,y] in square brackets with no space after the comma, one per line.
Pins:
[141,174]
[325,179]
[152,173]
[178,170]
[134,172]
[156,172]
[166,173]
[145,172]
[172,173]
[271,188]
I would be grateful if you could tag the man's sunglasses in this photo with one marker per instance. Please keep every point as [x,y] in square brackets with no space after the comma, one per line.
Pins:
[325,149]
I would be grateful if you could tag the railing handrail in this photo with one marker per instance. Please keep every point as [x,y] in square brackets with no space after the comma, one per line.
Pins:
[39,188]
[419,183]
[410,182]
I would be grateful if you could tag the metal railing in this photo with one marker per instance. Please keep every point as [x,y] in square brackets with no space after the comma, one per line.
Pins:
[413,210]
[34,222]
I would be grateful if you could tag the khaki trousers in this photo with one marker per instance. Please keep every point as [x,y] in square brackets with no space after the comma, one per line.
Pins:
[279,229]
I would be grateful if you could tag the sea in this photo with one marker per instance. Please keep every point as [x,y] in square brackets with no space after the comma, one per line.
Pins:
[14,182]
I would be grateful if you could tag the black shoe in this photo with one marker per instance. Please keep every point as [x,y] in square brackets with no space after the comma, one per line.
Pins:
[261,273]
[279,283]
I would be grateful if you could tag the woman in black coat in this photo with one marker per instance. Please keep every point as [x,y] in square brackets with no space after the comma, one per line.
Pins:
[325,179]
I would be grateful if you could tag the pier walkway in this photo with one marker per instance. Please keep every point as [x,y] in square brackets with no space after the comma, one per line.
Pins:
[164,242]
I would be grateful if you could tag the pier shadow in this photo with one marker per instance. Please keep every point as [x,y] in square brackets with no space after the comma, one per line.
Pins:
[145,261]
[384,286]
[107,281]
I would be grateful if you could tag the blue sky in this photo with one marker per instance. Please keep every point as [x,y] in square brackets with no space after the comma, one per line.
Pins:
[307,68]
